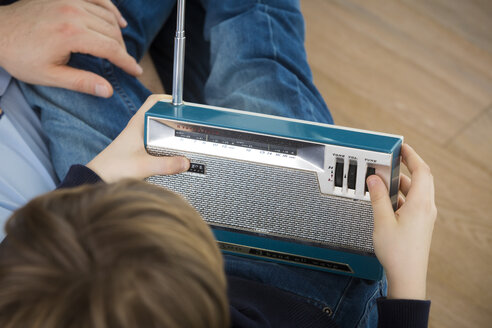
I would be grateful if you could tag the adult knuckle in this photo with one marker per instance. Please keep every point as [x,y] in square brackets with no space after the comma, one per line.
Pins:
[67,29]
[116,32]
[79,84]
[113,18]
[109,16]
[111,30]
[68,9]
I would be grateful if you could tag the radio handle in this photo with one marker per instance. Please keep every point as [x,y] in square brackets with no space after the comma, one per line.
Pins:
[179,55]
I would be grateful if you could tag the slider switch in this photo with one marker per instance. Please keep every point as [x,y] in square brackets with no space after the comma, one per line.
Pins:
[352,175]
[370,171]
[339,173]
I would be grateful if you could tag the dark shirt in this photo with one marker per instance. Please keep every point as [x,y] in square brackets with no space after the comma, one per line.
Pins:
[253,304]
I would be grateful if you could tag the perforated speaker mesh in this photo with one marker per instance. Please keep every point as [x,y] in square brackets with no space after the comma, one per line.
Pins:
[276,201]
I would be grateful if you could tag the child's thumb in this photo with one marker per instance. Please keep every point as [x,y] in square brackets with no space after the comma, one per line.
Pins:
[167,165]
[381,203]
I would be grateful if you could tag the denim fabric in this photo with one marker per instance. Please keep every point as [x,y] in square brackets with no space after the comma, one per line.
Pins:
[243,54]
[350,301]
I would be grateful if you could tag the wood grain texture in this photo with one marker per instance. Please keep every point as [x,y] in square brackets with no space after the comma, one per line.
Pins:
[150,78]
[423,69]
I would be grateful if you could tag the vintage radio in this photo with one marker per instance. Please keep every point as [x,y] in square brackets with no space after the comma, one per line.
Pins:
[275,188]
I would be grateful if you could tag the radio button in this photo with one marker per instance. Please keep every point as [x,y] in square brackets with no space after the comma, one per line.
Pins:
[339,173]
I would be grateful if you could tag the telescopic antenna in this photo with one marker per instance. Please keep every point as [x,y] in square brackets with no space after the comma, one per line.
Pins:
[179,54]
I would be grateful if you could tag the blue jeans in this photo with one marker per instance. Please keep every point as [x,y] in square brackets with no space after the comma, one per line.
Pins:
[240,54]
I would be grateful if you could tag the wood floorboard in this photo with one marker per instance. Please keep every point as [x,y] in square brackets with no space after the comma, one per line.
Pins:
[422,69]
[396,69]
[475,141]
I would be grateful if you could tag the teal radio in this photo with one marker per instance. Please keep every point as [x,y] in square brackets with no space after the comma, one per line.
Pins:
[274,188]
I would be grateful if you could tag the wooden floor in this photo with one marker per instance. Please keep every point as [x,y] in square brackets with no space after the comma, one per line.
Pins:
[423,69]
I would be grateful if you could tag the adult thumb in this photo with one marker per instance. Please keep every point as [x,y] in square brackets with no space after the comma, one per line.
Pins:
[81,81]
[381,203]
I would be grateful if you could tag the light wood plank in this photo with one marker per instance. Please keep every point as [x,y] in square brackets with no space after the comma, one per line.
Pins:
[475,141]
[150,78]
[413,74]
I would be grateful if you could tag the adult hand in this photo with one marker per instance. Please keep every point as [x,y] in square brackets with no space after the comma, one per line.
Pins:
[402,239]
[37,38]
[126,156]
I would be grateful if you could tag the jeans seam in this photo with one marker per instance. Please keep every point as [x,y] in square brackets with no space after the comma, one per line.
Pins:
[340,301]
[109,73]
[308,299]
[270,30]
[304,99]
[367,309]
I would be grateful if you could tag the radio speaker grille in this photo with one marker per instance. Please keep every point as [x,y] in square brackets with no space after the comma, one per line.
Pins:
[274,201]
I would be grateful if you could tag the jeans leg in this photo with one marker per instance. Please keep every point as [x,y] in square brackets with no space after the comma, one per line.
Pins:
[258,60]
[79,126]
[145,19]
[351,302]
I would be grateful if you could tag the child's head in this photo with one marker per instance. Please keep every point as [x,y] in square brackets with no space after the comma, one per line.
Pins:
[123,255]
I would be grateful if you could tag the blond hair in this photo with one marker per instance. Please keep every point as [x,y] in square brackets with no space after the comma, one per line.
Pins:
[121,255]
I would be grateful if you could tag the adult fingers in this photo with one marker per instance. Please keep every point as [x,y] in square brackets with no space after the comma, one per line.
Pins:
[96,24]
[107,4]
[405,184]
[101,12]
[104,22]
[381,203]
[81,81]
[99,45]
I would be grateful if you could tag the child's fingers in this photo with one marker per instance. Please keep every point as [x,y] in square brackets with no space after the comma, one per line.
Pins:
[401,201]
[421,192]
[421,178]
[405,183]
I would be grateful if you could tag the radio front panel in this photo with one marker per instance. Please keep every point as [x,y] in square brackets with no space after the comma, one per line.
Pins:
[341,171]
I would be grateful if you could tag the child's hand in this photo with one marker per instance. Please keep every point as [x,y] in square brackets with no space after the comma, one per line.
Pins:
[402,239]
[126,156]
